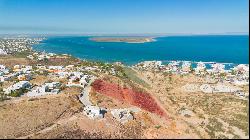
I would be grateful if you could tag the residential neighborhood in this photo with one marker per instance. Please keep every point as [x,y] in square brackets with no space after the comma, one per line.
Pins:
[118,94]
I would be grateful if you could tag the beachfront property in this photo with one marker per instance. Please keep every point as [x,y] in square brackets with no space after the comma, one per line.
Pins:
[238,76]
[173,66]
[146,65]
[20,44]
[241,69]
[186,67]
[217,68]
[200,68]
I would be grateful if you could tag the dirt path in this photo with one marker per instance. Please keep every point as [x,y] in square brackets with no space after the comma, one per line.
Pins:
[47,129]
[85,94]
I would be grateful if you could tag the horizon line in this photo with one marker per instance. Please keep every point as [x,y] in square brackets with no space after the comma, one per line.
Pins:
[127,34]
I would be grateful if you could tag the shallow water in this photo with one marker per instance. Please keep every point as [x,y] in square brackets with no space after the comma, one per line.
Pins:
[220,48]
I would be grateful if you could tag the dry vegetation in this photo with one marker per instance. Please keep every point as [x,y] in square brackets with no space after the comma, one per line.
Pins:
[31,115]
[59,116]
[215,115]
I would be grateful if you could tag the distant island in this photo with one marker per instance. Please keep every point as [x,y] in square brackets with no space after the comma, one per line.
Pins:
[123,39]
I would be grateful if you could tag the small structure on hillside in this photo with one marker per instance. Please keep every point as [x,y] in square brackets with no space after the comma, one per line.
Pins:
[94,112]
[122,115]
[186,112]
[240,94]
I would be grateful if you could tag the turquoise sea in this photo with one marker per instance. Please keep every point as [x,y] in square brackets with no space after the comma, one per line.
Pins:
[210,48]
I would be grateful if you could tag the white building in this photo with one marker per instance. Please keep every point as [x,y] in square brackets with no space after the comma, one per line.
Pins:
[30,57]
[17,86]
[63,74]
[150,64]
[43,56]
[242,68]
[122,115]
[2,67]
[78,80]
[218,68]
[46,89]
[2,52]
[186,67]
[94,112]
[240,94]
[4,78]
[201,67]
[55,67]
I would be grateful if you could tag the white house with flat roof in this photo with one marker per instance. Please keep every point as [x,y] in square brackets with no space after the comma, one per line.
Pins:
[17,86]
[46,89]
[94,112]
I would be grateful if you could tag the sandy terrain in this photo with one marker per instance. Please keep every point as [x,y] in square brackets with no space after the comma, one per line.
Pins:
[190,114]
[31,115]
[213,115]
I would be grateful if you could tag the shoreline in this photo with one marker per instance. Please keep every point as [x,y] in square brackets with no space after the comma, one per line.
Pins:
[32,46]
[123,39]
[134,63]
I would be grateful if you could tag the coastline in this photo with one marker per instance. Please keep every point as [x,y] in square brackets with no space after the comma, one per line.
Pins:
[123,39]
[163,48]
[148,83]
[193,62]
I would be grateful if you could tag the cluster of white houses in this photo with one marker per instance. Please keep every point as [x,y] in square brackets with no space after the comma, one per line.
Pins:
[45,89]
[17,86]
[238,75]
[78,79]
[215,89]
[21,44]
[22,74]
[45,56]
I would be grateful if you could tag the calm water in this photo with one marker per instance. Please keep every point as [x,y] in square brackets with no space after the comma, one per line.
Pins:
[225,49]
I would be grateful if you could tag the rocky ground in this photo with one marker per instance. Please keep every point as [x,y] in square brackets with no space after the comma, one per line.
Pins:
[190,114]
[207,115]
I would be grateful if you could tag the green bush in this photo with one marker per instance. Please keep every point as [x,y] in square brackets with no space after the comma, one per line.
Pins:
[2,95]
[17,93]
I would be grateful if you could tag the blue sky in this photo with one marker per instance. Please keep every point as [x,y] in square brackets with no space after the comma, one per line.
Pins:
[124,16]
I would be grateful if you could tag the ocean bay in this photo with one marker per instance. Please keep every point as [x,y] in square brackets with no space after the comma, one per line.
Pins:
[209,48]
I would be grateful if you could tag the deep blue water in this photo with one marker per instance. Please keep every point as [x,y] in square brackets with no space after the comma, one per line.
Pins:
[220,48]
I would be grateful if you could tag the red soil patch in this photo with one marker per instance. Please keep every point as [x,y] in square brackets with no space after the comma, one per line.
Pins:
[136,98]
